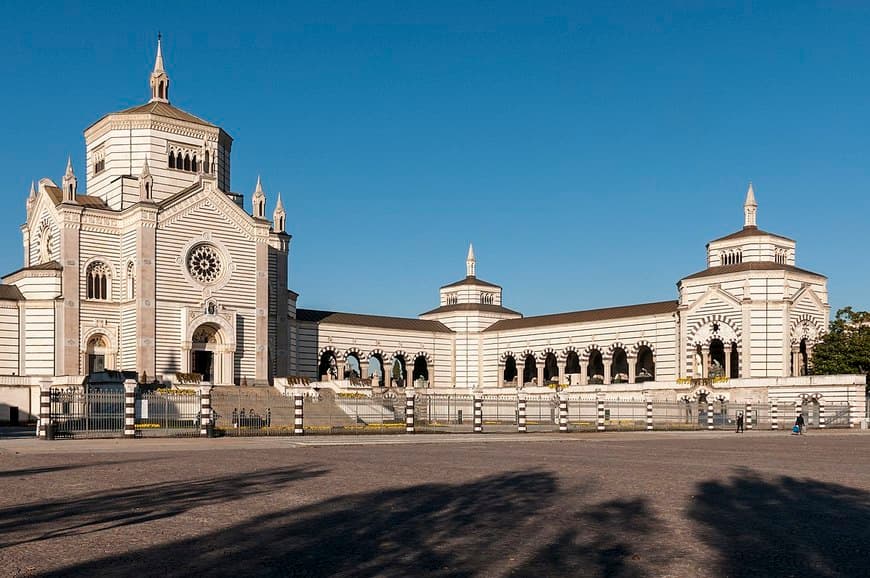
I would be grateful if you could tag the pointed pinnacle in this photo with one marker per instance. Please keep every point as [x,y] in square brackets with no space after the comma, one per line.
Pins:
[158,62]
[32,189]
[470,253]
[146,171]
[258,190]
[69,167]
[279,206]
[750,196]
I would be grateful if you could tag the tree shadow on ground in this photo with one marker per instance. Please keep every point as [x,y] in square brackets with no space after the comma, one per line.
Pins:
[484,527]
[784,526]
[102,510]
[26,472]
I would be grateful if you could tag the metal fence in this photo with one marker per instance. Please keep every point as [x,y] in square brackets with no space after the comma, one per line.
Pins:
[78,412]
[169,414]
[86,413]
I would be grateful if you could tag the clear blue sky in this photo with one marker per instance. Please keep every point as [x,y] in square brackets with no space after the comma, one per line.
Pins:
[589,152]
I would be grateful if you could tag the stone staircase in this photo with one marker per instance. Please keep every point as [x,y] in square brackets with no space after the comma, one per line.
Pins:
[267,400]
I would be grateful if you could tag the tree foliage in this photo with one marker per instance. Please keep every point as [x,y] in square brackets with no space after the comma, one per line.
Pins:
[845,348]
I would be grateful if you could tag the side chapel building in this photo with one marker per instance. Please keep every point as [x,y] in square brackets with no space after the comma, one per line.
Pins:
[156,267]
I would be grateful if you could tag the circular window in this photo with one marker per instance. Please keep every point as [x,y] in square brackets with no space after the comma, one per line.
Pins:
[204,263]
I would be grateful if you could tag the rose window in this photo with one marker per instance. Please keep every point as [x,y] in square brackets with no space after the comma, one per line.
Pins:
[204,263]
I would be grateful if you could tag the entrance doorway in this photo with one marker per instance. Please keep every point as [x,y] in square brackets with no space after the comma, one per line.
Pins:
[203,364]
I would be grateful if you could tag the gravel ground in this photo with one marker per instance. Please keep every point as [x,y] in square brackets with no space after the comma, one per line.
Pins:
[614,504]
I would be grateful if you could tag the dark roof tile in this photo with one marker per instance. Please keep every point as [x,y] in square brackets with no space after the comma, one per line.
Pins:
[749,266]
[472,280]
[749,231]
[472,307]
[402,323]
[642,310]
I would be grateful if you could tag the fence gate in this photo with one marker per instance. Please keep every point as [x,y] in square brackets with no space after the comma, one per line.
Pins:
[77,412]
[168,414]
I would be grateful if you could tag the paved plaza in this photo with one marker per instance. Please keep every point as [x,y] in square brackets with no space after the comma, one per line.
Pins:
[613,504]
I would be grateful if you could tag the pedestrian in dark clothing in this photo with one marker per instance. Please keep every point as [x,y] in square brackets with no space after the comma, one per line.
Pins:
[739,423]
[799,422]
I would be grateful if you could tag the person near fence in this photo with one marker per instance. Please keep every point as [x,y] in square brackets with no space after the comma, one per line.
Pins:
[739,422]
[799,423]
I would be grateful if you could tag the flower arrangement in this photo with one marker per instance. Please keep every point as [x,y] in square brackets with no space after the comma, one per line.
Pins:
[188,378]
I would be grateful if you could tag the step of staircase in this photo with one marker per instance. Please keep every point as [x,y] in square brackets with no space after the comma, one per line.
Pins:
[267,400]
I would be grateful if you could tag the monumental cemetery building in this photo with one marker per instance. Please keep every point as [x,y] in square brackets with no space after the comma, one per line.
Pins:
[152,265]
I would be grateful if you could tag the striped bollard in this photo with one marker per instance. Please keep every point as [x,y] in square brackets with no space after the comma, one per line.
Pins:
[821,414]
[852,417]
[521,414]
[205,411]
[44,409]
[774,414]
[409,410]
[649,421]
[748,413]
[129,408]
[600,407]
[478,414]
[563,413]
[709,415]
[298,415]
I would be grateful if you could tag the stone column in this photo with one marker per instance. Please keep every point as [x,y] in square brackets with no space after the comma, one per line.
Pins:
[599,401]
[584,379]
[774,414]
[540,367]
[129,409]
[521,413]
[728,347]
[70,258]
[205,424]
[145,289]
[562,374]
[478,413]
[607,365]
[298,418]
[709,414]
[632,369]
[364,369]
[649,414]
[409,409]
[795,360]
[44,409]
[500,374]
[261,320]
[563,413]
[705,361]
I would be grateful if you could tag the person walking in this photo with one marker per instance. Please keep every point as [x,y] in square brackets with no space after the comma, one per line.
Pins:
[739,422]
[799,422]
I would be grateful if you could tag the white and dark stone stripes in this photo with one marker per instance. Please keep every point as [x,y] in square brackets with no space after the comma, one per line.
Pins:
[409,411]
[521,414]
[747,421]
[649,415]
[298,414]
[44,409]
[563,413]
[822,421]
[600,408]
[774,414]
[478,414]
[130,408]
[204,411]
[709,415]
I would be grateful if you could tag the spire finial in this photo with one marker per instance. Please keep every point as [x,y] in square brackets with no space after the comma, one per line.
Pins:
[69,167]
[279,216]
[750,207]
[470,262]
[70,183]
[159,78]
[146,170]
[259,200]
[32,189]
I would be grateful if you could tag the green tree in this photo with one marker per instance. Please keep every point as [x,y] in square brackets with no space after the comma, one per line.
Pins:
[845,348]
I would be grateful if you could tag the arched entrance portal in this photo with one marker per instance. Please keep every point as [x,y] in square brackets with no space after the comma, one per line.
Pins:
[96,352]
[211,354]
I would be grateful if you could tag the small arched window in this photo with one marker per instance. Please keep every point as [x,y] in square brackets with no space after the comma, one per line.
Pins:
[187,162]
[194,167]
[205,167]
[171,159]
[160,90]
[131,280]
[97,281]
